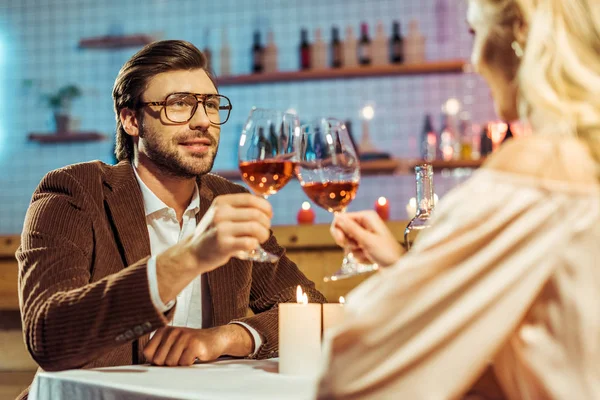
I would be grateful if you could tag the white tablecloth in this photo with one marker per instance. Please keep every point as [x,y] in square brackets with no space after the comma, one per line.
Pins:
[228,379]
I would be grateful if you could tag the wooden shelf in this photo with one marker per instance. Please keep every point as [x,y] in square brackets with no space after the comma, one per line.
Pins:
[393,166]
[375,167]
[452,164]
[429,67]
[66,137]
[115,41]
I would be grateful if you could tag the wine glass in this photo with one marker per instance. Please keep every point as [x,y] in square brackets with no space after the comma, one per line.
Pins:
[329,173]
[267,156]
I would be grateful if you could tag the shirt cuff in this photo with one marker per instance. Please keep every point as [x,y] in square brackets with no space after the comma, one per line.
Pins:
[255,336]
[153,283]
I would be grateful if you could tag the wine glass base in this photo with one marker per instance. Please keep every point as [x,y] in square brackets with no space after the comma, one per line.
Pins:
[259,255]
[350,270]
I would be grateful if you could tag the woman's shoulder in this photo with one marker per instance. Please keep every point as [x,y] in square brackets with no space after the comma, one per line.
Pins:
[557,158]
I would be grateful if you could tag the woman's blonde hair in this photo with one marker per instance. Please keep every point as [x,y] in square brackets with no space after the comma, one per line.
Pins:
[559,73]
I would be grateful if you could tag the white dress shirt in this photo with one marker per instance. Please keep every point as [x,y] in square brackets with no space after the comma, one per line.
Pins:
[164,231]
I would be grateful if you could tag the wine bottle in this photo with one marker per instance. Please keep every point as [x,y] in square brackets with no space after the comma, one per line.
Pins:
[318,56]
[225,54]
[207,52]
[396,45]
[364,46]
[350,48]
[258,61]
[425,204]
[379,54]
[414,44]
[305,61]
[428,145]
[270,52]
[335,48]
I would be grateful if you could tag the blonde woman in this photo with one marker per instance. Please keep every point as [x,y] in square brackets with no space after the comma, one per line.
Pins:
[509,276]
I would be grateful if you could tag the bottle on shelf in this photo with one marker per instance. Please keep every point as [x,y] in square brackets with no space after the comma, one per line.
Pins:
[305,61]
[335,48]
[225,61]
[447,138]
[425,204]
[396,44]
[270,53]
[350,48]
[465,139]
[207,52]
[485,144]
[365,47]
[414,44]
[380,46]
[258,59]
[428,145]
[318,52]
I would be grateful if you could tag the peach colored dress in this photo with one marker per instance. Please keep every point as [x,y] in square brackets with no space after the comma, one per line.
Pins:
[509,274]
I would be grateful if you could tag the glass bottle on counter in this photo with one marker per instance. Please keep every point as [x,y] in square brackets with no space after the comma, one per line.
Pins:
[425,204]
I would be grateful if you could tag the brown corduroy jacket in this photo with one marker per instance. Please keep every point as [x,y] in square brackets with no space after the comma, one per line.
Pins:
[83,285]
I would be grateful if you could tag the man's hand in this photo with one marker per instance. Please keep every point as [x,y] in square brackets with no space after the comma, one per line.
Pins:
[233,223]
[366,235]
[173,346]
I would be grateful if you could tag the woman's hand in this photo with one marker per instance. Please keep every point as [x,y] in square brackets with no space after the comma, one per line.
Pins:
[367,237]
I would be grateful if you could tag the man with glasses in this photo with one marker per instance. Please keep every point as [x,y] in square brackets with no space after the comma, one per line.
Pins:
[113,254]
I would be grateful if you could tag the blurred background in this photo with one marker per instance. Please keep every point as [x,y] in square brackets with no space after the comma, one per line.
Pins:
[76,47]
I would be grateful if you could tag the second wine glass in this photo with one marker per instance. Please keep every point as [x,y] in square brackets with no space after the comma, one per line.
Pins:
[267,155]
[329,172]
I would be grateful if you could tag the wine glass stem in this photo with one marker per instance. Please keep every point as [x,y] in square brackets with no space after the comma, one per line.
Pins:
[347,252]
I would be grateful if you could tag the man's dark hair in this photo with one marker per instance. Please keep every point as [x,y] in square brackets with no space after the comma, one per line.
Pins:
[133,78]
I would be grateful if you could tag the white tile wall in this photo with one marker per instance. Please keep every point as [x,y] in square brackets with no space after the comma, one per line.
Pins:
[38,40]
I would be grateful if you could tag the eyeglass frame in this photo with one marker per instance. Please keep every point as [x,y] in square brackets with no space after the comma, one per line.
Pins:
[198,100]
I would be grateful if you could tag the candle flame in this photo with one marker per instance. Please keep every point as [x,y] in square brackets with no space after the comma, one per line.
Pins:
[342,300]
[299,295]
[304,298]
[368,112]
[382,201]
[306,205]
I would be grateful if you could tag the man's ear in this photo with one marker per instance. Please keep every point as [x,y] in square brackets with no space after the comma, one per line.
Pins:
[130,122]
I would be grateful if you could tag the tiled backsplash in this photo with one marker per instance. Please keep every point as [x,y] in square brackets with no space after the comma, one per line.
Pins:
[38,44]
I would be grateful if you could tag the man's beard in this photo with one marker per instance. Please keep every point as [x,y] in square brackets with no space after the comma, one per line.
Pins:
[171,161]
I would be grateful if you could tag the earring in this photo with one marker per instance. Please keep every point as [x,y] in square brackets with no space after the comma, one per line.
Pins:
[517,48]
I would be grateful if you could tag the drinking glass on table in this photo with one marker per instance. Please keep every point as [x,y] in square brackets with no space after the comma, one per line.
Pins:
[329,172]
[267,156]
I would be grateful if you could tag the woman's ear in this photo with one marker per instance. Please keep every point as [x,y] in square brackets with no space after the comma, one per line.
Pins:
[129,121]
[520,32]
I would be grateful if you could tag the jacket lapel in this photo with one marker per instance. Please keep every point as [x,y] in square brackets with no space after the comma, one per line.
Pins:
[125,208]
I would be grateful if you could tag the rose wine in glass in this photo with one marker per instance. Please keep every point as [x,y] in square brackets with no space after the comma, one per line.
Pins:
[267,155]
[329,173]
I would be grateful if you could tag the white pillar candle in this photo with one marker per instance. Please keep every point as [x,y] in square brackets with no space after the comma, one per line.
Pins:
[333,315]
[299,337]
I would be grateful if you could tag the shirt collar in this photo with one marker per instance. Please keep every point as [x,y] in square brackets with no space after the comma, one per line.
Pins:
[153,204]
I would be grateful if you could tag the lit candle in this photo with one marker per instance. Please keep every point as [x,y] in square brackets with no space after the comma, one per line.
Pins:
[299,336]
[382,208]
[306,215]
[333,314]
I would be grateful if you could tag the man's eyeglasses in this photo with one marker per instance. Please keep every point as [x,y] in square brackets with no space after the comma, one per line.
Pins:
[181,107]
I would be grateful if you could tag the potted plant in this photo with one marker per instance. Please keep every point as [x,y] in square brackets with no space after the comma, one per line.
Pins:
[60,103]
